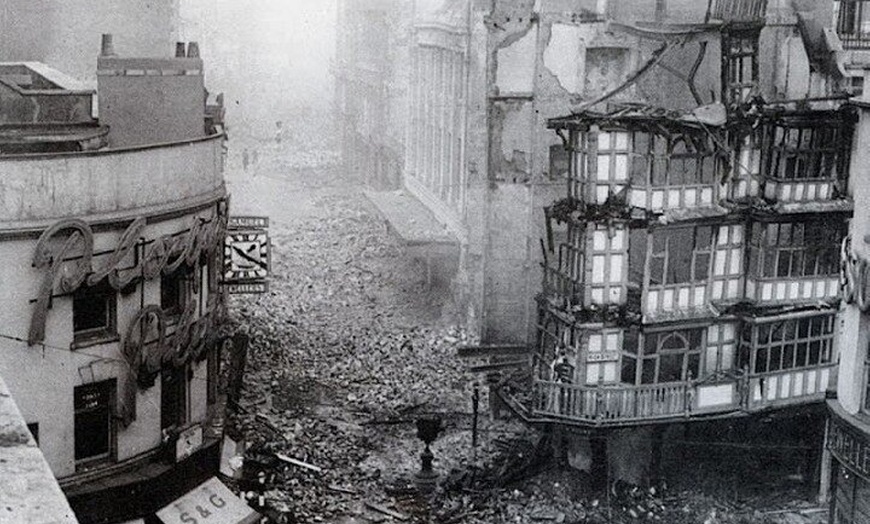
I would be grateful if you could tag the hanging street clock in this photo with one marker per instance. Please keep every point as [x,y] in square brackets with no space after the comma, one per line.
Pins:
[246,256]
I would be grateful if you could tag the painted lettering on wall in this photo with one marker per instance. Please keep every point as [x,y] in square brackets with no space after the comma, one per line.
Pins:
[65,254]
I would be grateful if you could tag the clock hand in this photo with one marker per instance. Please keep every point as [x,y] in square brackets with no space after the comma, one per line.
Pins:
[248,257]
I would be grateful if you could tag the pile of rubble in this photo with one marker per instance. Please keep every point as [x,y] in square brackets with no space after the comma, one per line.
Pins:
[347,351]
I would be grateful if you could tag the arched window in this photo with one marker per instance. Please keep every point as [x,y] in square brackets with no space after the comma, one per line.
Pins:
[671,356]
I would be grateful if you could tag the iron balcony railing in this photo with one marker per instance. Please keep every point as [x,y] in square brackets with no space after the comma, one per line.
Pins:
[739,10]
[853,23]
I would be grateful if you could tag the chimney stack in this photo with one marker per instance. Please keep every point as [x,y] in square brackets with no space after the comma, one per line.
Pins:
[192,50]
[106,46]
[179,50]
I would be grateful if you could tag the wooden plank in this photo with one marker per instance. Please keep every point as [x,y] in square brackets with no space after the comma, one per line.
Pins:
[498,365]
[491,351]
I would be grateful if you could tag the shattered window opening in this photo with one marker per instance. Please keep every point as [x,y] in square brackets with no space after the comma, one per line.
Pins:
[804,153]
[611,165]
[740,67]
[609,264]
[94,312]
[673,262]
[671,356]
[728,262]
[721,348]
[768,346]
[797,249]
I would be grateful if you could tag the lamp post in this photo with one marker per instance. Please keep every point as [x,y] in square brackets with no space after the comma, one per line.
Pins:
[428,428]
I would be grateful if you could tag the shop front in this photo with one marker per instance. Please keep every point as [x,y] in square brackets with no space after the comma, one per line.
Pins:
[849,443]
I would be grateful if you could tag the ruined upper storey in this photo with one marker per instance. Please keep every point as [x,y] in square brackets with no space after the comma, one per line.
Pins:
[662,162]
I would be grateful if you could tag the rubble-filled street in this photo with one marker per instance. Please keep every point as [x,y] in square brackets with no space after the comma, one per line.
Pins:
[349,348]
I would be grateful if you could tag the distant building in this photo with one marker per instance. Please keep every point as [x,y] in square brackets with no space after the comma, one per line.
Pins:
[111,238]
[64,34]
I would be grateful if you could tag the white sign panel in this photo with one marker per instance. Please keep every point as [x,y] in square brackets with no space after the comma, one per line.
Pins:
[209,503]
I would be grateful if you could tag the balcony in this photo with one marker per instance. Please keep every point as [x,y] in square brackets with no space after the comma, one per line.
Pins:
[738,10]
[622,373]
[108,183]
[624,405]
[853,23]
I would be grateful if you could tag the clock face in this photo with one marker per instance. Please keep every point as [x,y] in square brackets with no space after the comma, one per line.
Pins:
[246,255]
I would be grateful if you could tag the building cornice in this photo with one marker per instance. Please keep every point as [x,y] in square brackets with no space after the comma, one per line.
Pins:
[18,230]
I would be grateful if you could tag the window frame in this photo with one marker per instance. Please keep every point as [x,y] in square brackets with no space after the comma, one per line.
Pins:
[769,248]
[111,391]
[183,276]
[665,257]
[619,146]
[180,418]
[686,352]
[104,333]
[752,350]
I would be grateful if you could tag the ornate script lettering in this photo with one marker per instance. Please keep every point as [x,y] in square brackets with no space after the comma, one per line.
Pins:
[65,254]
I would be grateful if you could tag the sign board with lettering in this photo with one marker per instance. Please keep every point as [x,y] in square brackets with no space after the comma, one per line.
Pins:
[247,287]
[209,503]
[247,222]
[602,356]
[247,255]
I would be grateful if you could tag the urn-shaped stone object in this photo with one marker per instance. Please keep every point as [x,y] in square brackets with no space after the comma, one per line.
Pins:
[428,428]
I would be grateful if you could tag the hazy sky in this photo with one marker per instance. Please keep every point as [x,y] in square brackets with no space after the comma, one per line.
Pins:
[270,57]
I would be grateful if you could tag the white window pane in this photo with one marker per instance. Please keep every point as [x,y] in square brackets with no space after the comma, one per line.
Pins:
[594,343]
[728,332]
[621,140]
[599,240]
[610,372]
[603,168]
[728,356]
[736,234]
[745,162]
[710,360]
[719,266]
[598,269]
[612,341]
[713,334]
[620,168]
[592,373]
[723,235]
[604,141]
[735,262]
[601,194]
[616,243]
[616,268]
